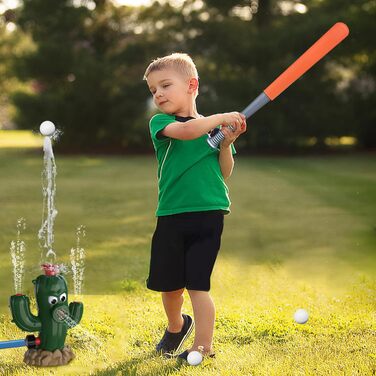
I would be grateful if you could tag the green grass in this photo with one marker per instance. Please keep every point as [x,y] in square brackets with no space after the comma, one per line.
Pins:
[301,234]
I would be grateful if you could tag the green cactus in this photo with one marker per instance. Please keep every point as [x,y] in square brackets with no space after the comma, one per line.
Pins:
[54,315]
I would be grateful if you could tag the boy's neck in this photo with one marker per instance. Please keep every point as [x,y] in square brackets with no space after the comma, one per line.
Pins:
[186,115]
[190,111]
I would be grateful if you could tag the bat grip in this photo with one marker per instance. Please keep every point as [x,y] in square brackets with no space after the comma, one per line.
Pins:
[253,107]
[256,104]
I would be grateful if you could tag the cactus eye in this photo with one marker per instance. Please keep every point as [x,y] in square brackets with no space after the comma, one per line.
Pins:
[63,297]
[52,300]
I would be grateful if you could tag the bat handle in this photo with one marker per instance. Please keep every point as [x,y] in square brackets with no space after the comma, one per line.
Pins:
[215,140]
[253,107]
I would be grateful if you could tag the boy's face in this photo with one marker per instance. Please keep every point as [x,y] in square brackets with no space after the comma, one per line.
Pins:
[171,91]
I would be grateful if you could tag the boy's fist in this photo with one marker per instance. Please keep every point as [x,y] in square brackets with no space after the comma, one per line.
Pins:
[234,130]
[236,119]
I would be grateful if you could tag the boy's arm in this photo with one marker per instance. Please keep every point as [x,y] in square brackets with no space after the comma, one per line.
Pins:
[195,128]
[226,161]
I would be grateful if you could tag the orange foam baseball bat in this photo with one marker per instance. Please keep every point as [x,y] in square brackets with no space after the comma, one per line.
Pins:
[335,35]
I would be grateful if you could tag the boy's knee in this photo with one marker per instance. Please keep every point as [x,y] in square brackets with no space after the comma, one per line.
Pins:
[197,292]
[175,293]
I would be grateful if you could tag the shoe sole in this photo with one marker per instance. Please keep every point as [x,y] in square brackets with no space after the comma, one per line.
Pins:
[175,352]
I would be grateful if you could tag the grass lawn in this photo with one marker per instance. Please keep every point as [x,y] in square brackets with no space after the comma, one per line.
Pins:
[302,234]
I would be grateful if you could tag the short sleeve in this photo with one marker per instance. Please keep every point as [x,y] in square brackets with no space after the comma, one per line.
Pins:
[157,123]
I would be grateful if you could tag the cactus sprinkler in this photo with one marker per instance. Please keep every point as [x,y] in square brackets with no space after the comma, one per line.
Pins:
[54,318]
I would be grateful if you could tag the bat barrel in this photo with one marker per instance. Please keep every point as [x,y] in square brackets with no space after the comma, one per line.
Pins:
[317,51]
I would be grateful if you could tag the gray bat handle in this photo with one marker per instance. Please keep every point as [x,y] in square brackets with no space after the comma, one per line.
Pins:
[253,107]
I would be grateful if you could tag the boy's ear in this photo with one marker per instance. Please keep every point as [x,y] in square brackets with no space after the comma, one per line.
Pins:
[192,85]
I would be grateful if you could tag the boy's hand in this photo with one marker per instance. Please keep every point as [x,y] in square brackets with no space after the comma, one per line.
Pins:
[232,134]
[232,118]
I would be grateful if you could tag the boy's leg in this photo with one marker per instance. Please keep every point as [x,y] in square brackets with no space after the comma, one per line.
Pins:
[172,302]
[179,326]
[200,259]
[204,315]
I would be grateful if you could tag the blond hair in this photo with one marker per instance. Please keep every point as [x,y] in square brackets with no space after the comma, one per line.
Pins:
[180,62]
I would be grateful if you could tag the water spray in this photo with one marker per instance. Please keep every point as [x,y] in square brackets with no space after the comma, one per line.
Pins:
[46,232]
[54,315]
[17,252]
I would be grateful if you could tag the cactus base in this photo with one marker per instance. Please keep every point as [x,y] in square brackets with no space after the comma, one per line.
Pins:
[43,358]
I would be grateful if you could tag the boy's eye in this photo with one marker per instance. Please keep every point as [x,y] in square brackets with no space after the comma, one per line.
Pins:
[166,85]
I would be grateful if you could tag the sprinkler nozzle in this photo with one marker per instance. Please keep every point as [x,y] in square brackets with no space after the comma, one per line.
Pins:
[60,313]
[50,269]
[32,342]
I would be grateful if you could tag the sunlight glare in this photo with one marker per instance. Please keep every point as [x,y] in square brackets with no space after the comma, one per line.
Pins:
[134,3]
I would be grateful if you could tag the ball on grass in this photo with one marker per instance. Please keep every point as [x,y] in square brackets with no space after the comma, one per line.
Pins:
[47,128]
[301,316]
[194,358]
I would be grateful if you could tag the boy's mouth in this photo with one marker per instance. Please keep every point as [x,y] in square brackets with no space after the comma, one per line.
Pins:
[161,103]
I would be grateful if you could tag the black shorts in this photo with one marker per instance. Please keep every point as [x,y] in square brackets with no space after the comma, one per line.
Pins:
[183,250]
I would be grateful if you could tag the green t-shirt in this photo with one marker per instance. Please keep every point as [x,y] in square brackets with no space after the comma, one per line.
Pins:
[189,174]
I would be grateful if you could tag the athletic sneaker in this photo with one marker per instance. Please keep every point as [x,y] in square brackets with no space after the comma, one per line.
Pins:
[172,342]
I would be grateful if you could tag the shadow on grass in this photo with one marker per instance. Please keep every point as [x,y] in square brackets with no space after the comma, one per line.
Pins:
[157,365]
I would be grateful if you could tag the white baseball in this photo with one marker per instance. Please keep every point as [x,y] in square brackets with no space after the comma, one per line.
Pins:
[194,358]
[47,128]
[301,316]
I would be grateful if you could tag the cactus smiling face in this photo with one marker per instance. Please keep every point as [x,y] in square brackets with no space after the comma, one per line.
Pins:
[51,293]
[54,314]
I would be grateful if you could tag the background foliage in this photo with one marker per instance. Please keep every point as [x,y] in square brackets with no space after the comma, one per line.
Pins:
[80,64]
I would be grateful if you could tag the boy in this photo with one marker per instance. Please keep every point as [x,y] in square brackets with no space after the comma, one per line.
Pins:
[192,200]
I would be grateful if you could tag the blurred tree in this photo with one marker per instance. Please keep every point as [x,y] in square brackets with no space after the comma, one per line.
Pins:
[242,48]
[90,57]
[12,43]
[86,71]
[351,67]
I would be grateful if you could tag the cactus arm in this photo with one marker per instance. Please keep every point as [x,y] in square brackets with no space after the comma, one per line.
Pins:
[22,316]
[76,310]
